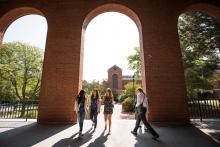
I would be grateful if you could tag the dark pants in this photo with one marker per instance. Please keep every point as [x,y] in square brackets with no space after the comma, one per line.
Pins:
[142,117]
[93,116]
[81,117]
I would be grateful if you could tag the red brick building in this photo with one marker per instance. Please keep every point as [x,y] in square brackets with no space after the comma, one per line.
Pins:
[117,81]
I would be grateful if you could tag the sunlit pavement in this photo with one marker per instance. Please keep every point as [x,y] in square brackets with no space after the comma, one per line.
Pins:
[20,133]
[117,114]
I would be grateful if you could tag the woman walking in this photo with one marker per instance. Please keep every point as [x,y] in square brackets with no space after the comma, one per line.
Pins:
[108,108]
[141,108]
[81,105]
[94,107]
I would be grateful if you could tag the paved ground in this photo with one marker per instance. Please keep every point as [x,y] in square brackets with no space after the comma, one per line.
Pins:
[30,134]
[117,114]
[23,134]
[211,127]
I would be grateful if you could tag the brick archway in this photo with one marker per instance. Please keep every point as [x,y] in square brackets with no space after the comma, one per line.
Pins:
[9,17]
[159,41]
[12,15]
[208,9]
[112,7]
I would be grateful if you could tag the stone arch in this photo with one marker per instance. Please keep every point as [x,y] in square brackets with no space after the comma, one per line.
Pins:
[9,17]
[113,8]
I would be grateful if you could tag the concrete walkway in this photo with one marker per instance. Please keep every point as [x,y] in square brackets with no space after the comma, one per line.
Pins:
[18,133]
[117,113]
[23,134]
[210,127]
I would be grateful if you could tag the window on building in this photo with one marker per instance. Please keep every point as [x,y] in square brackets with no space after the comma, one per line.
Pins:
[115,81]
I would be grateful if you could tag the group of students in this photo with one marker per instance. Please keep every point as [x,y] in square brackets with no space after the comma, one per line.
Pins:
[93,105]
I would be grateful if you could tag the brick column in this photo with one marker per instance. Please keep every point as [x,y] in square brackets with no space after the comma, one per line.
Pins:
[164,74]
[61,69]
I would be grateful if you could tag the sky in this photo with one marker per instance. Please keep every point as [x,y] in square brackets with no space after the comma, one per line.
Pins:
[109,39]
[30,29]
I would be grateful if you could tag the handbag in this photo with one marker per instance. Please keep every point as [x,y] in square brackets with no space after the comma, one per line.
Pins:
[140,109]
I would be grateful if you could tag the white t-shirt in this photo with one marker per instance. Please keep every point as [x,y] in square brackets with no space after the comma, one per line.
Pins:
[141,98]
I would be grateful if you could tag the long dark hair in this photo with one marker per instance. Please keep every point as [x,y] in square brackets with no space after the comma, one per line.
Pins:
[97,94]
[81,96]
[141,90]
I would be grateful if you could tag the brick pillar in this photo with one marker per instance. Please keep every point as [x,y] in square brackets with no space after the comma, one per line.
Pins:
[164,74]
[61,69]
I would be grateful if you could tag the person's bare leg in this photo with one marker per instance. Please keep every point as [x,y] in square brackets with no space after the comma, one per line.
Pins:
[105,117]
[110,122]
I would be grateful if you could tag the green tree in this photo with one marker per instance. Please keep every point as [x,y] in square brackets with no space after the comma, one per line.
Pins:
[127,98]
[130,89]
[86,86]
[94,85]
[134,62]
[198,40]
[20,69]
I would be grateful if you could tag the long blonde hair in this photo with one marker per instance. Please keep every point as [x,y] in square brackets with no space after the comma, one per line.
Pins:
[109,93]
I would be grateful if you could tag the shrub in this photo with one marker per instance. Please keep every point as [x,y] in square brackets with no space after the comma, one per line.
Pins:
[123,97]
[128,104]
[130,89]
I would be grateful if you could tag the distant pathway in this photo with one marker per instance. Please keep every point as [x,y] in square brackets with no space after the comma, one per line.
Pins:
[117,113]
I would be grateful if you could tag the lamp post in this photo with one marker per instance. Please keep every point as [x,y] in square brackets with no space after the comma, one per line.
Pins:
[133,85]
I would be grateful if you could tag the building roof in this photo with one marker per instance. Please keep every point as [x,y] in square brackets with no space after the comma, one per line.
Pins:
[115,67]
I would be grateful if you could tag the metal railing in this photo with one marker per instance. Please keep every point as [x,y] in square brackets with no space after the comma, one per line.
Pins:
[204,107]
[18,109]
[199,108]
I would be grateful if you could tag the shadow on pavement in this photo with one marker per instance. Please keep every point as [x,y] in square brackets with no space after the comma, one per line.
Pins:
[170,136]
[75,142]
[30,134]
[177,136]
[100,140]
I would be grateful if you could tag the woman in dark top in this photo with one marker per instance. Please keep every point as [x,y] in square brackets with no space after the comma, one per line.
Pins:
[81,100]
[94,107]
[108,108]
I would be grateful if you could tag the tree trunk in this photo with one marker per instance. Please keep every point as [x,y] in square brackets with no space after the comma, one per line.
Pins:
[23,106]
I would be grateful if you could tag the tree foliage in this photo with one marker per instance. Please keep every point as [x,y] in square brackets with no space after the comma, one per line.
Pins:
[129,91]
[134,62]
[89,87]
[198,35]
[20,71]
[128,105]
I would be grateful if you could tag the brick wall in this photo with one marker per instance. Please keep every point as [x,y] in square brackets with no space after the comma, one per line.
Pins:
[115,70]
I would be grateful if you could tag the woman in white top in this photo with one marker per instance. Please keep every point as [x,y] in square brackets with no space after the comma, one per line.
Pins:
[141,115]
